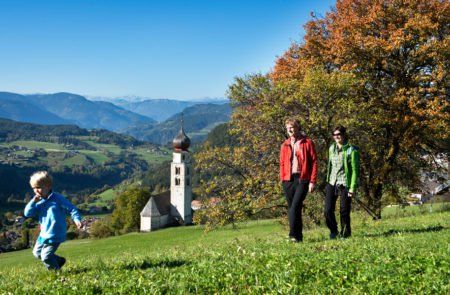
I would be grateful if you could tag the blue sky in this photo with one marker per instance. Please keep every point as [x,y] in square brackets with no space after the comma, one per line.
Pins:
[157,49]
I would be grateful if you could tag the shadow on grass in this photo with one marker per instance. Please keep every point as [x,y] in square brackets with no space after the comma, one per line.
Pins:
[406,231]
[134,265]
[155,264]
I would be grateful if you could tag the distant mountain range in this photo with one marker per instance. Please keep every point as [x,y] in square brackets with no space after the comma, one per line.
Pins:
[20,108]
[67,108]
[137,118]
[198,120]
[158,109]
[133,98]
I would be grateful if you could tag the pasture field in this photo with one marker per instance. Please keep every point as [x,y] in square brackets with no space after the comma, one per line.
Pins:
[109,148]
[152,157]
[108,195]
[61,155]
[406,255]
[32,144]
[97,156]
[104,199]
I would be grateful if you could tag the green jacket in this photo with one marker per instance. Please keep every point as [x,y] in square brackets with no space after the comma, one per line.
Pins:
[351,165]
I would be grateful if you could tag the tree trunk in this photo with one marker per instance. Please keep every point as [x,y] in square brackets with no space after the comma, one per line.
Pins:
[375,194]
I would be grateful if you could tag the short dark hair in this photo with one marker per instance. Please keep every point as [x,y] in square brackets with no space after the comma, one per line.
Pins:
[342,130]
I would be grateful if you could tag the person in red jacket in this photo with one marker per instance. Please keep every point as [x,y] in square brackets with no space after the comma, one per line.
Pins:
[298,174]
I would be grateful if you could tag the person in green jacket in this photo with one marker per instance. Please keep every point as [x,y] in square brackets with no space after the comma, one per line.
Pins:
[342,178]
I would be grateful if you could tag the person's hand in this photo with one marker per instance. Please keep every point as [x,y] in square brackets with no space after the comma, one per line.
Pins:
[78,224]
[311,187]
[37,198]
[350,194]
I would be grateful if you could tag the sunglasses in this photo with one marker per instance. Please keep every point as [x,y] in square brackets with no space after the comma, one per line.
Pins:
[337,134]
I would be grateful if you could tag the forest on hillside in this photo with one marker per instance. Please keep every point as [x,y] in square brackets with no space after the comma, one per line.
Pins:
[80,160]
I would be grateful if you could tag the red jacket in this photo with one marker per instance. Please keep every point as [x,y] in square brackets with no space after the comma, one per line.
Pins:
[307,159]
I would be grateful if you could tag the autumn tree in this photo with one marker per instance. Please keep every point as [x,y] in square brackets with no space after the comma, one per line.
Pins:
[237,185]
[245,180]
[378,67]
[399,50]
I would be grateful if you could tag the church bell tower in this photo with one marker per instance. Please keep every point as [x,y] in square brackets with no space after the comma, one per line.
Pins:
[180,179]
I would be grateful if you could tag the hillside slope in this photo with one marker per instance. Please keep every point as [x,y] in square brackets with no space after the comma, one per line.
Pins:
[80,160]
[19,108]
[406,255]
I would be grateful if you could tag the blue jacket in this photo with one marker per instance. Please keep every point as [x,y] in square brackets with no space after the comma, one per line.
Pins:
[51,213]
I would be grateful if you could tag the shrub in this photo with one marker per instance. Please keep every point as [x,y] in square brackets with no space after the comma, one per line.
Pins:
[23,241]
[101,229]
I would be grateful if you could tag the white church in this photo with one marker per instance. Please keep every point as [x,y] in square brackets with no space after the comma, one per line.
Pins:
[174,207]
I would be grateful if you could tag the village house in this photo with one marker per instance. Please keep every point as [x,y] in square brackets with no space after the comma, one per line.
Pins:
[436,182]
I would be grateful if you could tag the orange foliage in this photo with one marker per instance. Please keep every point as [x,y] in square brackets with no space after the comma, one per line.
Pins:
[401,50]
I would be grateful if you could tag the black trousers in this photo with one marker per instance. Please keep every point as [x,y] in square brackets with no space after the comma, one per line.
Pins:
[295,191]
[332,193]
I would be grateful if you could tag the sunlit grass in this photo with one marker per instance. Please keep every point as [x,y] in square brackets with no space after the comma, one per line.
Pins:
[392,256]
[31,144]
[112,148]
[77,159]
[97,156]
[151,156]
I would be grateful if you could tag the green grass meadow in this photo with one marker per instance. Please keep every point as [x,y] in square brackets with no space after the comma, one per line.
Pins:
[105,198]
[61,155]
[111,148]
[31,144]
[151,157]
[396,255]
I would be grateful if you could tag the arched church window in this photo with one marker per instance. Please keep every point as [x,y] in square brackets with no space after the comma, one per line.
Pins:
[177,170]
[187,170]
[187,181]
[177,181]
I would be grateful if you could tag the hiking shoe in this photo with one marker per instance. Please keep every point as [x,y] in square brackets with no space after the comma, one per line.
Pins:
[62,261]
[333,236]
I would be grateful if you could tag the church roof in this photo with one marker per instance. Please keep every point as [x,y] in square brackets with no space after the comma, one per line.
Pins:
[157,205]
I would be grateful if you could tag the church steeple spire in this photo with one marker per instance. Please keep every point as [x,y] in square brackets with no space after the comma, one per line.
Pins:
[181,142]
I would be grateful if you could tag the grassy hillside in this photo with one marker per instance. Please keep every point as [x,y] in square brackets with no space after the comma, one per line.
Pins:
[28,153]
[407,255]
[81,160]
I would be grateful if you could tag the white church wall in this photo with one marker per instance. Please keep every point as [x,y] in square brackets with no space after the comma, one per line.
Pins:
[153,223]
[180,188]
[145,223]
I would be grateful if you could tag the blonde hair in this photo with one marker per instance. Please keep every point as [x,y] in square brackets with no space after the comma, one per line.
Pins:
[41,178]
